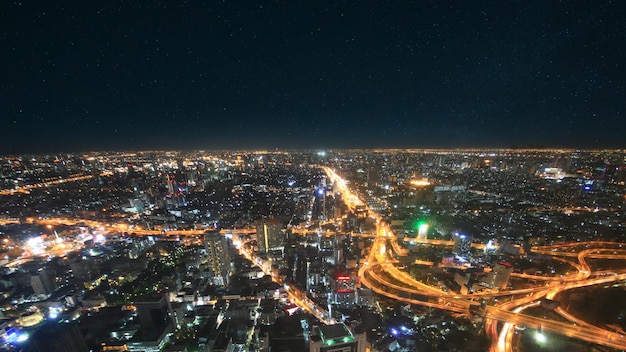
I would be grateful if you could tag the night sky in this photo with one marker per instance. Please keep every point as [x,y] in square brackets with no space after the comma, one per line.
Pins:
[120,75]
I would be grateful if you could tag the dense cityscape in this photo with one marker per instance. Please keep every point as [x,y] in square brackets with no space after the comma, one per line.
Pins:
[314,250]
[312,176]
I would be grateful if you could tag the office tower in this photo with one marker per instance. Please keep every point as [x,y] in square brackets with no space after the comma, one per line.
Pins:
[338,251]
[84,269]
[171,189]
[343,286]
[373,176]
[301,267]
[56,337]
[499,275]
[154,313]
[336,338]
[192,178]
[314,274]
[270,235]
[218,258]
[462,244]
[42,283]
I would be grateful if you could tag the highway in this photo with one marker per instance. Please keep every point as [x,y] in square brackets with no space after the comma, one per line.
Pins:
[383,277]
[298,297]
[48,183]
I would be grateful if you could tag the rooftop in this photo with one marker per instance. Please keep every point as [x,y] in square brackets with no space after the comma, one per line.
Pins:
[332,333]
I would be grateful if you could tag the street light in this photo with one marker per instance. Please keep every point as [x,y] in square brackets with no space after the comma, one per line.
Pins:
[540,337]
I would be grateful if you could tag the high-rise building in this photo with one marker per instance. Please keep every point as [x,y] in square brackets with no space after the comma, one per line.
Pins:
[343,286]
[338,251]
[336,338]
[499,275]
[171,184]
[314,274]
[42,283]
[56,337]
[270,235]
[462,244]
[373,176]
[156,321]
[154,313]
[84,269]
[301,267]
[192,178]
[218,258]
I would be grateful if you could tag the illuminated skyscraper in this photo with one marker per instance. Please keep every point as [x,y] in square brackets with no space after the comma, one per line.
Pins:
[218,258]
[343,286]
[170,184]
[270,235]
[462,244]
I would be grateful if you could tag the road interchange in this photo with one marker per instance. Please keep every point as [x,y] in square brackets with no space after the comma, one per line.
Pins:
[381,273]
[509,312]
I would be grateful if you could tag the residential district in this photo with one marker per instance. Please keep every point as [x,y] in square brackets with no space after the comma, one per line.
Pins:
[320,251]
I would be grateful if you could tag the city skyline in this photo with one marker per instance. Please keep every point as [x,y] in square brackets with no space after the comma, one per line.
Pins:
[125,76]
[469,250]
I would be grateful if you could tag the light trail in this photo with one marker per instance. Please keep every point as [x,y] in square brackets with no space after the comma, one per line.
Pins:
[410,288]
[407,288]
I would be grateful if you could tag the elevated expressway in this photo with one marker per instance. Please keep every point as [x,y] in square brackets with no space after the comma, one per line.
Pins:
[382,275]
[49,183]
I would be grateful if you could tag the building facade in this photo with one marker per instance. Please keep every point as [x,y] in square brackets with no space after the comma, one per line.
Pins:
[218,257]
[270,235]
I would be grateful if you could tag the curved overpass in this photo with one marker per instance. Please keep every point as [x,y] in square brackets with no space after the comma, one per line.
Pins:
[411,290]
